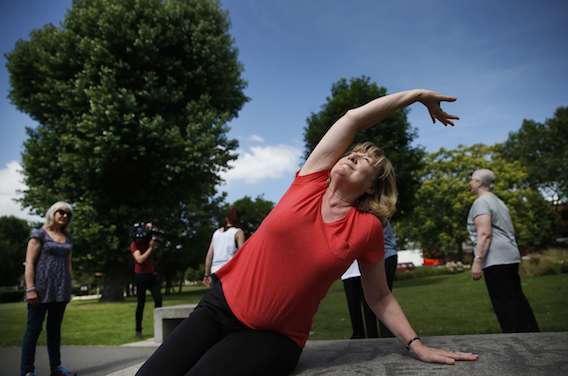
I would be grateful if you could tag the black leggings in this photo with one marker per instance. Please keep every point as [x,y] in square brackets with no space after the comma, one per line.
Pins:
[356,300]
[146,281]
[212,341]
[511,306]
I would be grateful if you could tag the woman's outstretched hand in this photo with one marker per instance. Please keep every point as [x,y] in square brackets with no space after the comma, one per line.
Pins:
[432,101]
[434,355]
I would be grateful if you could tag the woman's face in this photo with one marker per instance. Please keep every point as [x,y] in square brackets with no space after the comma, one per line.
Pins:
[474,183]
[62,217]
[356,169]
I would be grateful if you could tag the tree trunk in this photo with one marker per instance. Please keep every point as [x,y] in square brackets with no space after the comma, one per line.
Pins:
[113,289]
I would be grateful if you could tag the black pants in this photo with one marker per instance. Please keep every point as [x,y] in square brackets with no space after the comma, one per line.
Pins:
[146,281]
[212,341]
[356,300]
[511,306]
[390,270]
[36,315]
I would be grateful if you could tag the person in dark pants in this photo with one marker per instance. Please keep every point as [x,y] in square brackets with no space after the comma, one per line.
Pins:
[48,287]
[363,320]
[496,253]
[258,319]
[391,261]
[354,292]
[145,275]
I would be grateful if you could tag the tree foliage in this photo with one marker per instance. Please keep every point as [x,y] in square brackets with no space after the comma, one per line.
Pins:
[394,134]
[252,212]
[543,150]
[444,199]
[14,235]
[132,98]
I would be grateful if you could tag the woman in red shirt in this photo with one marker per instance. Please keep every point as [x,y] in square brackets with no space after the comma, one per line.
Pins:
[259,315]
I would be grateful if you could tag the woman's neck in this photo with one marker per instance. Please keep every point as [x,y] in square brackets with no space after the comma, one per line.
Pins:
[56,228]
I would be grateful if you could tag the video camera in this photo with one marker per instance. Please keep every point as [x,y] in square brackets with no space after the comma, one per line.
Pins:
[145,231]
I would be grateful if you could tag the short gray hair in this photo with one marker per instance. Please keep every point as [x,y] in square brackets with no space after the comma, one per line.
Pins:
[485,176]
[49,216]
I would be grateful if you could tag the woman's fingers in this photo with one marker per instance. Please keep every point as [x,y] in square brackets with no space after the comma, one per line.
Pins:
[464,356]
[446,98]
[447,357]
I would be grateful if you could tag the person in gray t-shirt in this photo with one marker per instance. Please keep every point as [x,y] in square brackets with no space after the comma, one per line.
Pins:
[496,253]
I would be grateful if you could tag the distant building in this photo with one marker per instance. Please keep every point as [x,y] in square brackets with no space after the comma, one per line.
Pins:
[411,255]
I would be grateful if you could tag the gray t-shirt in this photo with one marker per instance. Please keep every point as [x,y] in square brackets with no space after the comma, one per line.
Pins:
[52,275]
[503,248]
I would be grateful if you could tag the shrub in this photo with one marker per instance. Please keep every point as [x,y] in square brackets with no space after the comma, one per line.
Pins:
[551,261]
[429,271]
[10,295]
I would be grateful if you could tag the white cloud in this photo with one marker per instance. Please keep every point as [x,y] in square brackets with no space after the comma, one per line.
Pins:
[256,138]
[260,163]
[11,182]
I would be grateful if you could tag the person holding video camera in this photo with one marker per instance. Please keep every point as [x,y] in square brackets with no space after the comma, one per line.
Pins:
[142,247]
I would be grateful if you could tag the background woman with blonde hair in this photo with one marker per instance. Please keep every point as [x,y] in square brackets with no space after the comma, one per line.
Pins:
[48,286]
[260,313]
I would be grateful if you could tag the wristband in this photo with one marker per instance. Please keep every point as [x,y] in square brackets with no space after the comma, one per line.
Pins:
[30,289]
[410,342]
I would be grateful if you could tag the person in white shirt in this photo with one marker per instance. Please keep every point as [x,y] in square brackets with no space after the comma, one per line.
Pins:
[224,244]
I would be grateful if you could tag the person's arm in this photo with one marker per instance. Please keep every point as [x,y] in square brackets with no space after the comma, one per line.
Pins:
[387,309]
[483,228]
[240,238]
[140,257]
[32,254]
[338,138]
[208,263]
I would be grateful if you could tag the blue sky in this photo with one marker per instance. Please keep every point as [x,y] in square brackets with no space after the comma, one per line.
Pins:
[505,61]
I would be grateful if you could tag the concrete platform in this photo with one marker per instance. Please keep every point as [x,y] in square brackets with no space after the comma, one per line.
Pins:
[531,354]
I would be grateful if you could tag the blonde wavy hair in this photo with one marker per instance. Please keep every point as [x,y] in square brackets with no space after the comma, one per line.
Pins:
[381,202]
[50,215]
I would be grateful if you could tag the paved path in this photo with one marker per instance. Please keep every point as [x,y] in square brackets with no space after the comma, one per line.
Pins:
[532,354]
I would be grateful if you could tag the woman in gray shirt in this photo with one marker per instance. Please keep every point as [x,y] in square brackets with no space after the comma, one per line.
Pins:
[496,253]
[48,287]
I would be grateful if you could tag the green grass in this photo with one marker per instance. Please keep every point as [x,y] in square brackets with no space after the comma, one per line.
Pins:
[439,305]
[88,322]
[449,305]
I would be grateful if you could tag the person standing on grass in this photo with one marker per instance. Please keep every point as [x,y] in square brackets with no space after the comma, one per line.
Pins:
[257,318]
[142,247]
[391,261]
[497,255]
[224,244]
[48,287]
[354,292]
[363,320]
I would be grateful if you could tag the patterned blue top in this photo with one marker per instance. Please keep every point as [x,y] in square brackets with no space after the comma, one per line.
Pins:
[52,275]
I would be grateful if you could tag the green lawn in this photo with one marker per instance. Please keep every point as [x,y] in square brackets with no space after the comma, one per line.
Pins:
[441,305]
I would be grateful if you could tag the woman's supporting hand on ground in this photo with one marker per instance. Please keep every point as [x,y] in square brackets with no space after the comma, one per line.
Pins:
[434,355]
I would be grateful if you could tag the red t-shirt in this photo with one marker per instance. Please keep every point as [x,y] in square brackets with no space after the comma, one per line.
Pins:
[280,275]
[147,266]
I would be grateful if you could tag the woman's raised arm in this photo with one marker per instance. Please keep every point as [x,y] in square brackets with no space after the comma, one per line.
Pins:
[338,138]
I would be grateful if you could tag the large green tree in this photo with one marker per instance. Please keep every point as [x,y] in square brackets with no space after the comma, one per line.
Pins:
[14,234]
[252,212]
[132,99]
[543,149]
[394,135]
[444,199]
